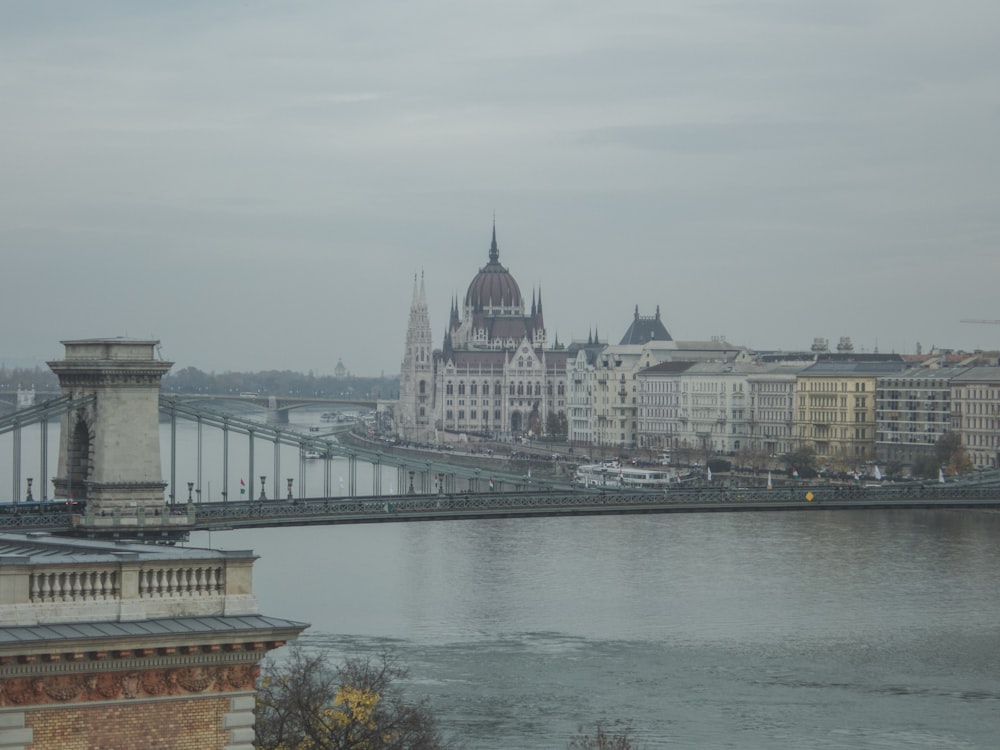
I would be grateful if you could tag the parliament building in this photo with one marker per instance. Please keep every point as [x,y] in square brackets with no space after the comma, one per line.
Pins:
[495,373]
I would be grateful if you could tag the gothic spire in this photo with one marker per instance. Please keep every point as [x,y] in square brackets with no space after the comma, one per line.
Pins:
[494,250]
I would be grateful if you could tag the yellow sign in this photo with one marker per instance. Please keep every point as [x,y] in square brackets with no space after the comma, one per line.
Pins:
[809,496]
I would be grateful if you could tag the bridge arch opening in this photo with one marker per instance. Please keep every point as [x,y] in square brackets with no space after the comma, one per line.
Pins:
[79,459]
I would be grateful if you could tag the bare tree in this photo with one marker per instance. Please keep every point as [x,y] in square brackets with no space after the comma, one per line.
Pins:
[951,454]
[305,704]
[601,740]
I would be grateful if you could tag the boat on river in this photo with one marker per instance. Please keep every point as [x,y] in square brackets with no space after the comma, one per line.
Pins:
[610,475]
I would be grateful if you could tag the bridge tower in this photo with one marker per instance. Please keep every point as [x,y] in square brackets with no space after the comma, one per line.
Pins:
[109,450]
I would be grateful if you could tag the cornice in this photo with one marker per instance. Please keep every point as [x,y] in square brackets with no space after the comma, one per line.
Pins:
[131,673]
[151,682]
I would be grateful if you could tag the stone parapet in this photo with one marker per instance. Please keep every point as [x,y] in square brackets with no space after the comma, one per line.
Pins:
[126,585]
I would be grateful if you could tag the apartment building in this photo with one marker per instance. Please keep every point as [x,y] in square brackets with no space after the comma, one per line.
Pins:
[912,412]
[835,409]
[975,411]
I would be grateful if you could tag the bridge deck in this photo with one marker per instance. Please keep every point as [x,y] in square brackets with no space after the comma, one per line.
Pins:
[442,507]
[406,508]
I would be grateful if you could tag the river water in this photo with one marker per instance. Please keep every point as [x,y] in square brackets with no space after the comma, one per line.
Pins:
[821,629]
[753,630]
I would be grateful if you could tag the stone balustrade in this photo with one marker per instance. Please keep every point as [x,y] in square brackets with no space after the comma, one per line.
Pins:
[73,585]
[165,582]
[139,582]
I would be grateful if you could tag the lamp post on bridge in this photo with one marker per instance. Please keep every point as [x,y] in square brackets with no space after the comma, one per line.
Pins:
[290,488]
[190,488]
[29,498]
[263,495]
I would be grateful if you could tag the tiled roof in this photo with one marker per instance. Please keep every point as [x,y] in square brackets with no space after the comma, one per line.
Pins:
[186,626]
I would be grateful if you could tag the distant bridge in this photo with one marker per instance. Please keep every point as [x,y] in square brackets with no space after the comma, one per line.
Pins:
[277,406]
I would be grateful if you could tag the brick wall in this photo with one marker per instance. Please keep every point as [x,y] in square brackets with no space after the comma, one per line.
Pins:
[179,724]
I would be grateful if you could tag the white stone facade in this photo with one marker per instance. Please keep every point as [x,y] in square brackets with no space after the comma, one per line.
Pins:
[975,401]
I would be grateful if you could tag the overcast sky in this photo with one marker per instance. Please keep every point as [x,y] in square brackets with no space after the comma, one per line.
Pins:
[255,184]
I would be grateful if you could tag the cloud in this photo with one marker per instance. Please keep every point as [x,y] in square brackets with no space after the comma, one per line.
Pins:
[257,182]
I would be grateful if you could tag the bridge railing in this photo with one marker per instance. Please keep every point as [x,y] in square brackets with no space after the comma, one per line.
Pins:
[516,501]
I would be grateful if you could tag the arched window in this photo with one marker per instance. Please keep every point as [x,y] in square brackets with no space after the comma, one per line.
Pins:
[449,389]
[461,389]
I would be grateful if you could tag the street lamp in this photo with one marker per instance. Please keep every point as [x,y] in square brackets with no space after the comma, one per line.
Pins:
[29,498]
[289,488]
[262,480]
[190,488]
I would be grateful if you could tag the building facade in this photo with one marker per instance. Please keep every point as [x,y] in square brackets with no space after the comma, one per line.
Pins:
[495,374]
[581,360]
[660,406]
[112,644]
[771,408]
[618,417]
[835,410]
[913,410]
[975,402]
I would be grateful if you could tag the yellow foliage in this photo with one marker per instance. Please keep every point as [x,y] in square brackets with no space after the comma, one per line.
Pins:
[354,706]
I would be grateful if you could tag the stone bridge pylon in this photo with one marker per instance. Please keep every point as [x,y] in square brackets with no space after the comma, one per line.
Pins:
[109,450]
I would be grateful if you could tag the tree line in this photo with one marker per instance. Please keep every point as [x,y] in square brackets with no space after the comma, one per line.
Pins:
[281,383]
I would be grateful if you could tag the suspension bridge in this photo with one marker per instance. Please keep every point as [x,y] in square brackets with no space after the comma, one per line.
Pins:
[109,480]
